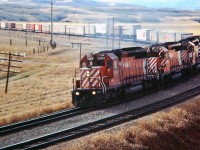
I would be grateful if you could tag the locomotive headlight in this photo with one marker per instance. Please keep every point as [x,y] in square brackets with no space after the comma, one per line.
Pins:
[94,92]
[88,73]
[77,93]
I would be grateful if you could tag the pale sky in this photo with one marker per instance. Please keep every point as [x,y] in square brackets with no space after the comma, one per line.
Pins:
[190,4]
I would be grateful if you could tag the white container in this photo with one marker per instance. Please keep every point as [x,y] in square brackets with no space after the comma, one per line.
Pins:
[46,28]
[24,26]
[89,29]
[154,36]
[4,25]
[180,36]
[100,29]
[132,30]
[59,29]
[19,26]
[78,30]
[143,35]
[166,37]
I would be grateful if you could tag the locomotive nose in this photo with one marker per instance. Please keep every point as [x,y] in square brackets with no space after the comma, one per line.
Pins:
[90,77]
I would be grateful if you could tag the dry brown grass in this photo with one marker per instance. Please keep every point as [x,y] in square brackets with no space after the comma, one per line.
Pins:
[177,128]
[42,86]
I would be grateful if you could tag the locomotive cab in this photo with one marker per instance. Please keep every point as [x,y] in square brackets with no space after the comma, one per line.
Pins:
[98,72]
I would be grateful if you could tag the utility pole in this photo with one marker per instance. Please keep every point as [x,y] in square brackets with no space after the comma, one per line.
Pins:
[80,45]
[107,32]
[89,31]
[120,28]
[8,73]
[69,31]
[113,33]
[51,22]
[120,35]
[9,67]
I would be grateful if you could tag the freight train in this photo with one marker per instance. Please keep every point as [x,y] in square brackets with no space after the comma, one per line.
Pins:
[108,75]
[126,32]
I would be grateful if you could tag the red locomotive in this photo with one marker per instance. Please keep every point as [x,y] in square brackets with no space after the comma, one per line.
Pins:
[107,75]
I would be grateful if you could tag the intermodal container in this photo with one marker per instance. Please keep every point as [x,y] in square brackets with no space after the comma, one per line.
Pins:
[59,29]
[79,30]
[143,35]
[180,36]
[89,29]
[11,26]
[154,36]
[30,27]
[100,29]
[38,28]
[19,26]
[4,25]
[165,37]
[24,26]
[46,28]
[133,31]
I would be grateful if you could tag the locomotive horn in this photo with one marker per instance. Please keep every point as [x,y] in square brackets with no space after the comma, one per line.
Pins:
[191,43]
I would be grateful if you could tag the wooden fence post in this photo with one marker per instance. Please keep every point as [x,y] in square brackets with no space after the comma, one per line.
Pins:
[8,73]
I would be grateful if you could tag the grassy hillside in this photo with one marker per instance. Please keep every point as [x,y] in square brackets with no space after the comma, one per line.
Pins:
[80,11]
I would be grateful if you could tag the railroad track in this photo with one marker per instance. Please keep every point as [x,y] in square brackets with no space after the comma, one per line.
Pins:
[73,133]
[68,113]
[42,120]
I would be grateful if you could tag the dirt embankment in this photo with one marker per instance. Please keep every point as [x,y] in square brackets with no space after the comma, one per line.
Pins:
[177,129]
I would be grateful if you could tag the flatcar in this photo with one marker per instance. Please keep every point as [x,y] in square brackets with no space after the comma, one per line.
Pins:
[108,75]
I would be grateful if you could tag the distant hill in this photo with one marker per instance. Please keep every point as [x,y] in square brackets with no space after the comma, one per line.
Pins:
[89,11]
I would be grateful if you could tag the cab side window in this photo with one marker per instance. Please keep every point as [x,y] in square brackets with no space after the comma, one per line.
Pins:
[84,64]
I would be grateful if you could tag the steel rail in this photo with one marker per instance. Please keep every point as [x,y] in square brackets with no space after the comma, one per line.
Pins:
[67,113]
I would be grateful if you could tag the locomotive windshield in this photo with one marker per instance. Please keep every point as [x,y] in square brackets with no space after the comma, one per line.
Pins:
[91,63]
